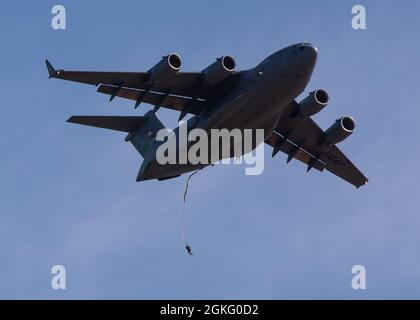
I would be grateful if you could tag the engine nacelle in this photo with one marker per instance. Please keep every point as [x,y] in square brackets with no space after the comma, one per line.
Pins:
[219,70]
[340,130]
[313,103]
[169,64]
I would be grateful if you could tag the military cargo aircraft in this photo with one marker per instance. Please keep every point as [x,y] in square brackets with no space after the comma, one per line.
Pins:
[262,97]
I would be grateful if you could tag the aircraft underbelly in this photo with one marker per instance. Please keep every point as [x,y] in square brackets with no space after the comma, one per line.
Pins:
[256,111]
[257,114]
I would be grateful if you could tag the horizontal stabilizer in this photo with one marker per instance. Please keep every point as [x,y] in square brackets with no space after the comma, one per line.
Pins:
[119,123]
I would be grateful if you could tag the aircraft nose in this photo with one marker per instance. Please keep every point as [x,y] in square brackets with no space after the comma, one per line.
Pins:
[308,52]
[307,56]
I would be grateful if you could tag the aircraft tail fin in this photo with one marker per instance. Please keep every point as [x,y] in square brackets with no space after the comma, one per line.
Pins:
[144,136]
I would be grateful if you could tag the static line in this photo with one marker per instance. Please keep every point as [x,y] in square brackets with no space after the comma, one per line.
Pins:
[184,237]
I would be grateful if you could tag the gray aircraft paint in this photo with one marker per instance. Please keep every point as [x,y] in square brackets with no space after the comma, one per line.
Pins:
[255,103]
[262,97]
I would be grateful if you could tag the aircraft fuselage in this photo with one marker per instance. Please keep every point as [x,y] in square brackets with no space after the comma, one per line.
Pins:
[256,102]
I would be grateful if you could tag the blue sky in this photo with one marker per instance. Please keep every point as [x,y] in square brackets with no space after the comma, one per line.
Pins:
[68,193]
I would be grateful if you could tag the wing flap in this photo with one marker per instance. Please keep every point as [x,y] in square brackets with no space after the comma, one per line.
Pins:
[292,150]
[165,100]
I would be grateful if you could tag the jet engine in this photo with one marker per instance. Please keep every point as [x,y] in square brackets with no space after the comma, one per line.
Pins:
[219,70]
[313,103]
[340,130]
[169,64]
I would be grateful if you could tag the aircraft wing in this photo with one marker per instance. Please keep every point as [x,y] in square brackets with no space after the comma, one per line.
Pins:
[182,91]
[303,136]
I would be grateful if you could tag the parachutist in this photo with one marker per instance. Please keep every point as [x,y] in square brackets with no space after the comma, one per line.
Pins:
[189,249]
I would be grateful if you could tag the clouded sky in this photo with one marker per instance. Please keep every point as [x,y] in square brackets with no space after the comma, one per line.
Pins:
[68,194]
